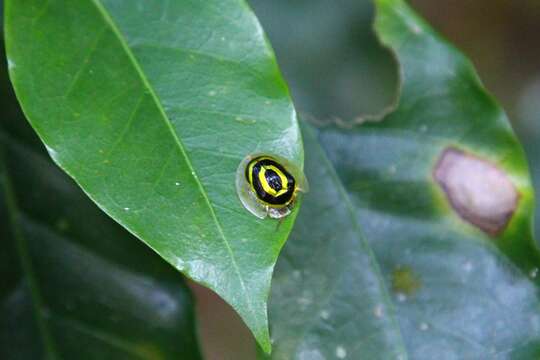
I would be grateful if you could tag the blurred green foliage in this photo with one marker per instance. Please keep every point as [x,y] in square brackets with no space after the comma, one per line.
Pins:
[501,37]
[337,69]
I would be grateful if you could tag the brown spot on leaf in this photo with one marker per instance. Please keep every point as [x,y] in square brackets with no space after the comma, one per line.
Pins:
[480,192]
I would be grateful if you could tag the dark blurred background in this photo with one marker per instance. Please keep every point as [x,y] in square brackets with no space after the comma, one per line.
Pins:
[336,69]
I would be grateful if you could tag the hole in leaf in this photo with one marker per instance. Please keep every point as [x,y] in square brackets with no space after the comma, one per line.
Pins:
[333,62]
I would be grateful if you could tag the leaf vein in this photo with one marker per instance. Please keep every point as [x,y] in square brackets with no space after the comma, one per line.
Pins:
[85,62]
[26,263]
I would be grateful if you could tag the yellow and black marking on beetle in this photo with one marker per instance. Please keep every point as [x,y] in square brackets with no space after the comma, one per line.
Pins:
[271,182]
[269,185]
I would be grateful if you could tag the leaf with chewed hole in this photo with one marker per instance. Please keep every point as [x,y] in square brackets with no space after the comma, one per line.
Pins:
[442,189]
[150,106]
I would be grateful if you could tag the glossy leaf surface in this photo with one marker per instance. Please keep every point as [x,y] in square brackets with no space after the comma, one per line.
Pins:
[462,291]
[150,107]
[74,284]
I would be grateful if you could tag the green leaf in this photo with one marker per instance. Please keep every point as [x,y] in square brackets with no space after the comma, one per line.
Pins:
[442,189]
[76,285]
[328,298]
[150,107]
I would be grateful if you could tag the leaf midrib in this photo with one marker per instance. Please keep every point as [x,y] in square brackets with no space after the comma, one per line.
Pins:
[375,267]
[108,20]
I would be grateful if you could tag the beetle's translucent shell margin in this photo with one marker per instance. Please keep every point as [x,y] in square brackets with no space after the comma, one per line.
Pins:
[249,199]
